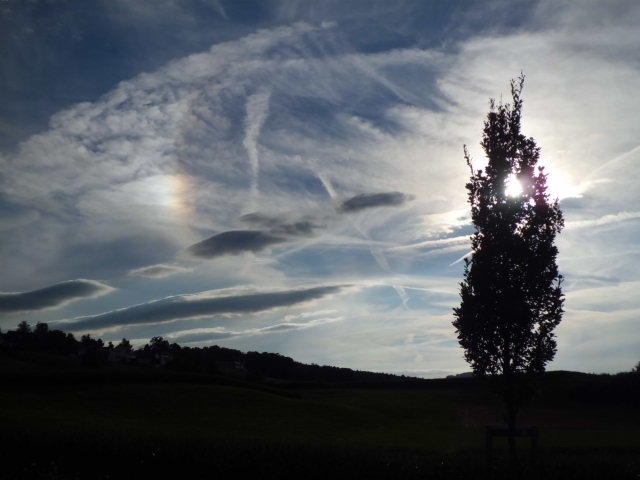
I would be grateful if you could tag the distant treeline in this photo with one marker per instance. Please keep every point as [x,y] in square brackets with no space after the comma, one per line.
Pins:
[160,353]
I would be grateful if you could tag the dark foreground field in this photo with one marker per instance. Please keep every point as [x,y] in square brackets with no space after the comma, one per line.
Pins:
[124,422]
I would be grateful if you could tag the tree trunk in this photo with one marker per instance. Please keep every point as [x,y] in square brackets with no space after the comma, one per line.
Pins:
[512,413]
[513,456]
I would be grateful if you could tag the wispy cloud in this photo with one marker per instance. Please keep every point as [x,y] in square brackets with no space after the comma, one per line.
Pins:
[604,220]
[436,243]
[219,333]
[53,296]
[257,109]
[220,8]
[158,271]
[13,215]
[200,305]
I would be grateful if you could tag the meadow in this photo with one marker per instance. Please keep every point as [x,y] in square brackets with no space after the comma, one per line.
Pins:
[127,422]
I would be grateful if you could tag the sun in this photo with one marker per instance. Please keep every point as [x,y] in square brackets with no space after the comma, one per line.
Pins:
[558,186]
[512,187]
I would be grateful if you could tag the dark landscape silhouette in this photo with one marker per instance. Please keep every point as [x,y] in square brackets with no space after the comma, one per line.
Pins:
[85,409]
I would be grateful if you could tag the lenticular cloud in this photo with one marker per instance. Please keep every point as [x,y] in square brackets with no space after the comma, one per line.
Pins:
[52,296]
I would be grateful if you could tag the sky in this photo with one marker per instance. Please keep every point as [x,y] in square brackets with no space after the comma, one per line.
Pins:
[288,176]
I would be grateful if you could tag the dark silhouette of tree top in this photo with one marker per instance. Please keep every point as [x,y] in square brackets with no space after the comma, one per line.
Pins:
[23,328]
[511,293]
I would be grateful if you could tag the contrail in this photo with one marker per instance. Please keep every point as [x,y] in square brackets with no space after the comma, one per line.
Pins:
[221,10]
[440,242]
[614,160]
[257,110]
[327,185]
[376,253]
[455,262]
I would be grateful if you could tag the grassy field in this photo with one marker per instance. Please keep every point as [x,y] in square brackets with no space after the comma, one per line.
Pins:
[125,423]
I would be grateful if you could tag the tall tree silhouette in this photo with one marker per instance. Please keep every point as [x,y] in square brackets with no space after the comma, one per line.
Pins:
[511,297]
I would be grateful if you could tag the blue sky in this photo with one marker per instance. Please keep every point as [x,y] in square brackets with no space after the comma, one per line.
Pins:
[288,176]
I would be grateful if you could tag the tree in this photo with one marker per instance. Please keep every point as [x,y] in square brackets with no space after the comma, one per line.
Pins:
[159,345]
[511,297]
[42,329]
[92,350]
[22,335]
[125,345]
[23,328]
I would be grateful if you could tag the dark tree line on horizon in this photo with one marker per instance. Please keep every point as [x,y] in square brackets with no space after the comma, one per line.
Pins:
[160,353]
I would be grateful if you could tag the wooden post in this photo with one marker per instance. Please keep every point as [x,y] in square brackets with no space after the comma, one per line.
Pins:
[531,432]
[489,451]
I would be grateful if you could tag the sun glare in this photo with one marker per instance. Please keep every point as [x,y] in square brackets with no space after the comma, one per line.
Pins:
[558,186]
[513,187]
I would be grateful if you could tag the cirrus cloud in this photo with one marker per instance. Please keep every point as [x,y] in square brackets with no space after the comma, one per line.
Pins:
[218,333]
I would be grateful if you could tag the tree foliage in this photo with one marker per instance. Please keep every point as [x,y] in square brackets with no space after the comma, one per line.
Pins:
[511,297]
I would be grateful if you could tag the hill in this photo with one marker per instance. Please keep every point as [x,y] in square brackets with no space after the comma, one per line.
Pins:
[26,349]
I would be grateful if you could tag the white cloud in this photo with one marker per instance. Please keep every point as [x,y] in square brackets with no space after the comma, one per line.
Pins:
[257,111]
[604,220]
